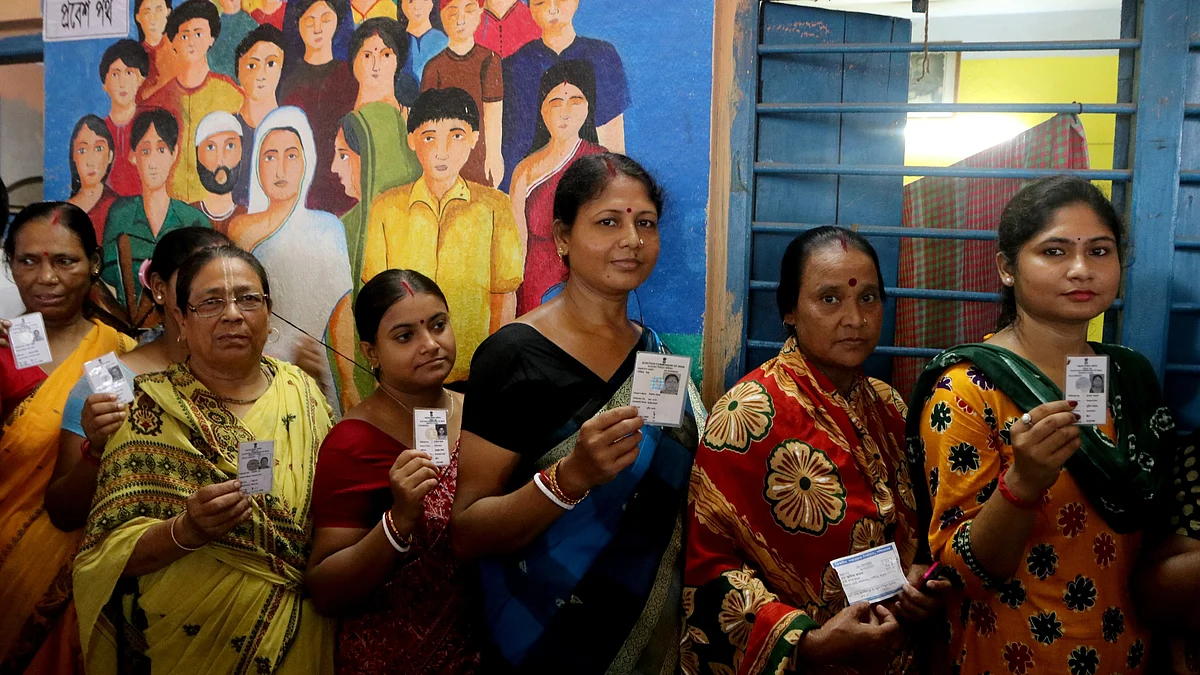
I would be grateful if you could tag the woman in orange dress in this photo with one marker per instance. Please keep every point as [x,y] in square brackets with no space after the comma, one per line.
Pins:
[51,248]
[1041,518]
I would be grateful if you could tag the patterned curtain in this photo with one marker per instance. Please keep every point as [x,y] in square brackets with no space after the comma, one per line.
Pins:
[967,204]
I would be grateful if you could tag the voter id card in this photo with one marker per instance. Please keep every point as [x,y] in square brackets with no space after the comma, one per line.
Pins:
[871,576]
[28,342]
[256,466]
[660,387]
[1086,383]
[104,376]
[431,431]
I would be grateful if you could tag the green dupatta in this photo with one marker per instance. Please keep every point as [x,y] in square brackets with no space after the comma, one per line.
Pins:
[1122,480]
[385,161]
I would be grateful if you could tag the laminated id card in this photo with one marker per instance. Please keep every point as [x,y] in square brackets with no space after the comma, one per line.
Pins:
[660,387]
[1087,384]
[871,576]
[105,376]
[256,466]
[431,431]
[28,342]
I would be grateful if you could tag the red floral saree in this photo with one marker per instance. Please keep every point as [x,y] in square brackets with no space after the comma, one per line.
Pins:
[790,475]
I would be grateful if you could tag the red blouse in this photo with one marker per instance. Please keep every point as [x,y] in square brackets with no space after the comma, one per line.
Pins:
[421,620]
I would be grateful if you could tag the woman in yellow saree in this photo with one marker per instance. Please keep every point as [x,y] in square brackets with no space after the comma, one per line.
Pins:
[180,570]
[51,248]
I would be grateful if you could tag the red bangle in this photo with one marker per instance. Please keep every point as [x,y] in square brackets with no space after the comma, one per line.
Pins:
[1013,499]
[86,451]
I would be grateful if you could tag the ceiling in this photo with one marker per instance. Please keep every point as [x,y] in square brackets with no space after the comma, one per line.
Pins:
[937,8]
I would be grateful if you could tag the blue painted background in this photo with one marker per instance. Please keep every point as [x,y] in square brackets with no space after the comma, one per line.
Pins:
[667,50]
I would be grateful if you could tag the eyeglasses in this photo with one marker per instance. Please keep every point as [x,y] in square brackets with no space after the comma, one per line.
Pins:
[249,302]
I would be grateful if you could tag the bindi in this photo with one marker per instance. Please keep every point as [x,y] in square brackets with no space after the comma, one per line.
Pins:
[628,210]
[853,283]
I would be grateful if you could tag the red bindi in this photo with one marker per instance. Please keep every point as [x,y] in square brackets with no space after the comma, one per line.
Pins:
[853,283]
[628,210]
[422,322]
[45,254]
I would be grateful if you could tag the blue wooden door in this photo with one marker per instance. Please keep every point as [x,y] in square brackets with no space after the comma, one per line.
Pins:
[783,201]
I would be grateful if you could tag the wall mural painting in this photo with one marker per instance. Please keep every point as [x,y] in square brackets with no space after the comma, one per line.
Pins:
[335,139]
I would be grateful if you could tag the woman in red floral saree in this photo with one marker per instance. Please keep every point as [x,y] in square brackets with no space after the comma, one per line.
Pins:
[801,463]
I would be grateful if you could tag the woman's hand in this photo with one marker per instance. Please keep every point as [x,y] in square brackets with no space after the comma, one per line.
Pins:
[917,602]
[212,511]
[607,444]
[102,416]
[1041,449]
[412,476]
[310,357]
[5,324]
[860,636]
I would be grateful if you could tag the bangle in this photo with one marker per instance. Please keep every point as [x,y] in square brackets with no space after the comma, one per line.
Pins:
[393,535]
[540,480]
[177,541]
[86,451]
[550,476]
[1012,498]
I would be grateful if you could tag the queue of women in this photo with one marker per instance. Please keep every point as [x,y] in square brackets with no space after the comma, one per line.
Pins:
[565,534]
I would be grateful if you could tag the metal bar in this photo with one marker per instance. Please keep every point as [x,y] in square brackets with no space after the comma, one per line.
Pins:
[1162,71]
[22,49]
[1048,45]
[777,169]
[1186,243]
[1189,176]
[1185,308]
[884,350]
[1186,368]
[1191,109]
[1054,108]
[879,231]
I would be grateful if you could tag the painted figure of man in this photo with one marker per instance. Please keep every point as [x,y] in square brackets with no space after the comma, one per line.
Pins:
[196,90]
[219,163]
[135,223]
[476,70]
[523,74]
[236,24]
[123,68]
[460,234]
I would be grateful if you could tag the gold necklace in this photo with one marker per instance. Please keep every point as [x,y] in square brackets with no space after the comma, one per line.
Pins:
[383,388]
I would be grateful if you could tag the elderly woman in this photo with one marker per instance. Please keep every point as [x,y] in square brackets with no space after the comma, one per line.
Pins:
[180,570]
[89,419]
[51,249]
[572,502]
[802,463]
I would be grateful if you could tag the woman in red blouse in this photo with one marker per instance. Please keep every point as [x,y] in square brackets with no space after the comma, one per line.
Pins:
[381,557]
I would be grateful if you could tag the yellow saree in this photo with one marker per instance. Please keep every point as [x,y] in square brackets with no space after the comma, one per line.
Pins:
[35,556]
[234,606]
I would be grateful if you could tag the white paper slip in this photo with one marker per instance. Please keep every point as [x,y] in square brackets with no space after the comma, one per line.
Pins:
[105,376]
[871,576]
[431,431]
[1087,384]
[660,387]
[256,466]
[28,341]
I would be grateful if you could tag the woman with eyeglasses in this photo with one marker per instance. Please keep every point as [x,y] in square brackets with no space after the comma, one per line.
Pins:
[180,570]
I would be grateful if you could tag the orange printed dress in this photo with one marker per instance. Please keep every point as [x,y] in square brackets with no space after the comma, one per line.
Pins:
[1068,608]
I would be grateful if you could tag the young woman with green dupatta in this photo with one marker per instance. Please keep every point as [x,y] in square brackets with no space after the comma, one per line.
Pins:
[1041,519]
